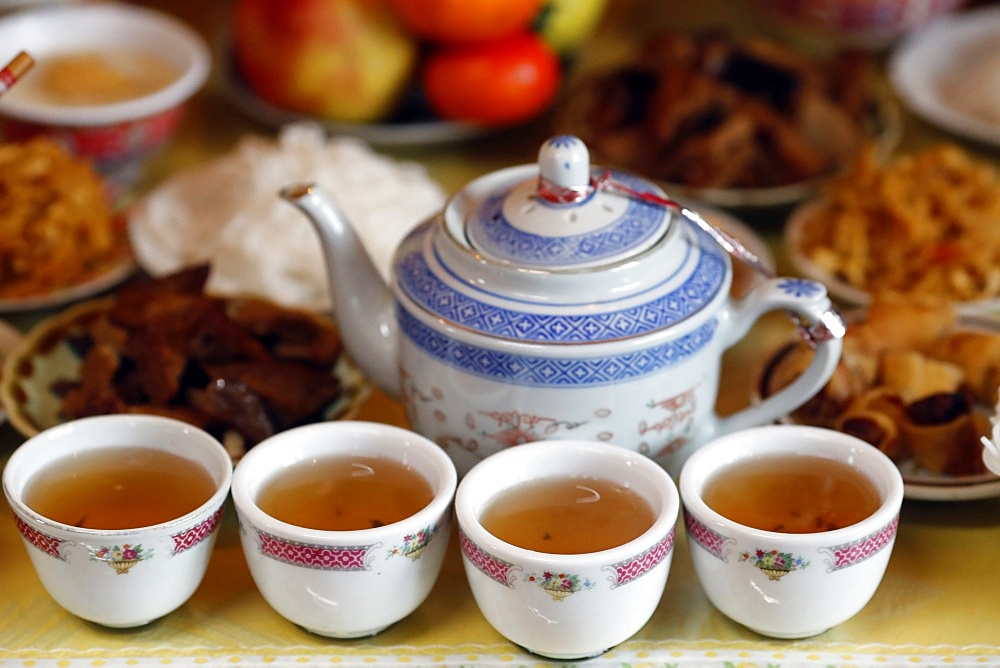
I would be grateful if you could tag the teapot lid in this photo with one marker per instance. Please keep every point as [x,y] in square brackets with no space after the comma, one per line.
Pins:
[561,219]
[560,252]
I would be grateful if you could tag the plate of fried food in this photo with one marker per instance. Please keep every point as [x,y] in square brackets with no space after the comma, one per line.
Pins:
[240,368]
[61,238]
[734,122]
[921,223]
[916,380]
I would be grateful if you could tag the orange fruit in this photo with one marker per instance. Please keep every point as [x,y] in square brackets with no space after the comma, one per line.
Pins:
[502,82]
[465,21]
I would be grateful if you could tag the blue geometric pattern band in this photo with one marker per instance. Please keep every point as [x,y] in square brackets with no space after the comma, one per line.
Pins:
[536,371]
[637,224]
[435,296]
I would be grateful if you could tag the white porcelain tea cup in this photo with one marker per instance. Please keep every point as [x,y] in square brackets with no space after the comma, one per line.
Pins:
[789,585]
[121,577]
[347,583]
[566,606]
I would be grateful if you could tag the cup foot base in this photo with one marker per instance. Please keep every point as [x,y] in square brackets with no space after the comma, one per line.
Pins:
[348,635]
[130,625]
[789,636]
[569,656]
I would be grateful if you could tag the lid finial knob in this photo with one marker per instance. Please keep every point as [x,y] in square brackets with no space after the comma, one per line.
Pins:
[564,170]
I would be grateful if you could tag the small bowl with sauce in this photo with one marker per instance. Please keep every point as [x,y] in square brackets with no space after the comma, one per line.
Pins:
[109,82]
[790,527]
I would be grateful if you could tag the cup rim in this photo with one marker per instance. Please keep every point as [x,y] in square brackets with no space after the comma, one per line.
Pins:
[266,449]
[666,514]
[206,442]
[183,39]
[723,451]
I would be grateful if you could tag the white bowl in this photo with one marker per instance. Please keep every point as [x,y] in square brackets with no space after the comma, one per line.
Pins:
[947,74]
[116,136]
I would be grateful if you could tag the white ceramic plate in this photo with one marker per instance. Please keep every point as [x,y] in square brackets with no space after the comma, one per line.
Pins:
[415,129]
[846,293]
[115,274]
[924,488]
[949,73]
[46,355]
[919,483]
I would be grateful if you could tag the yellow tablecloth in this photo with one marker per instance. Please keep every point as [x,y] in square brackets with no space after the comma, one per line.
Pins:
[939,603]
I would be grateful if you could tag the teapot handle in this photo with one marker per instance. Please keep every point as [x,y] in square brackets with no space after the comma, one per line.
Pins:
[809,306]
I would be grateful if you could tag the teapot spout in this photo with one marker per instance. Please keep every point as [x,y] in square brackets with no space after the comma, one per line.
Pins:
[363,303]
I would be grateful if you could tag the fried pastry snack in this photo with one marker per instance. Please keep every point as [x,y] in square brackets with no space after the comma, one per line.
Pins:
[909,381]
[943,432]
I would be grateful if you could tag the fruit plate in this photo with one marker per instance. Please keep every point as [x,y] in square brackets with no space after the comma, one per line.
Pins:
[413,126]
[949,74]
[47,357]
[919,483]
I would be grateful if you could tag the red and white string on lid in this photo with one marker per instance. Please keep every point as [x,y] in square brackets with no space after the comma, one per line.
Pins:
[565,178]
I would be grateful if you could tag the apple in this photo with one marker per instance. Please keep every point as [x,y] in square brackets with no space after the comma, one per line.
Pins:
[342,60]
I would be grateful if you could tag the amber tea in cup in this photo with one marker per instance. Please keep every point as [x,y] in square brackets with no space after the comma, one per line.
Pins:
[345,493]
[800,494]
[117,488]
[568,515]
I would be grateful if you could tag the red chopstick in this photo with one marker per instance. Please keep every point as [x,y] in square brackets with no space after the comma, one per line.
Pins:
[14,70]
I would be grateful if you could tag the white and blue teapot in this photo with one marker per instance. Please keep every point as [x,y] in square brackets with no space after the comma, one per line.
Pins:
[554,301]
